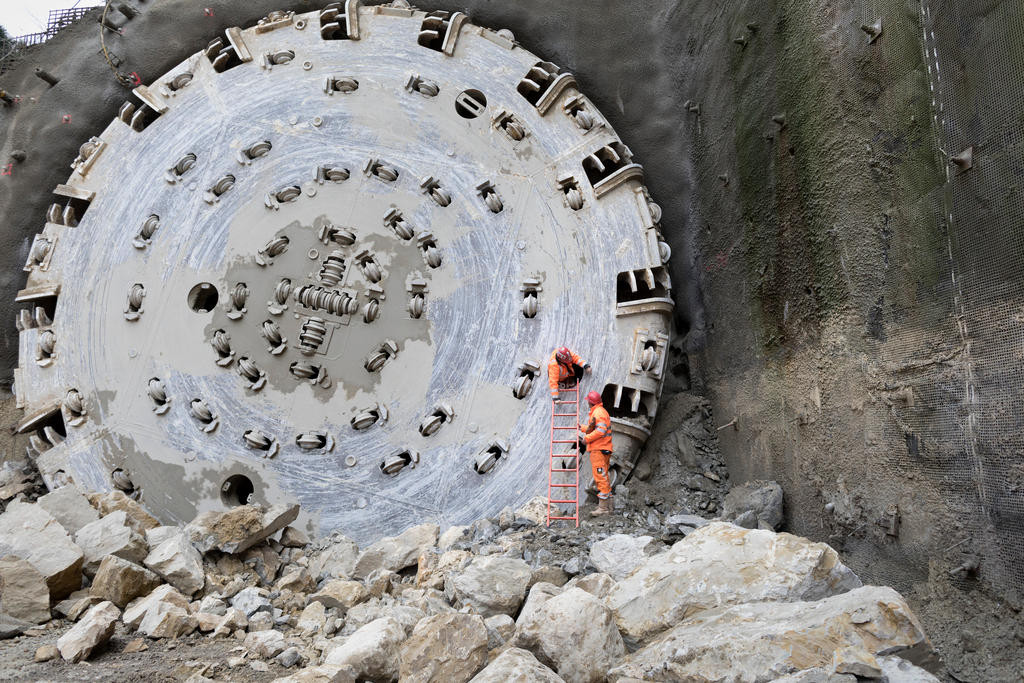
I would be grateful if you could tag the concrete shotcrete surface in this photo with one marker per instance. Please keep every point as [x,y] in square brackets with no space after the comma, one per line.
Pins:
[843,291]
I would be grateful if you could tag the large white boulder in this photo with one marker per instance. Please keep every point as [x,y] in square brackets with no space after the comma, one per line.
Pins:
[597,584]
[337,560]
[265,644]
[312,619]
[395,553]
[719,565]
[178,563]
[110,535]
[766,640]
[137,609]
[372,651]
[490,585]
[251,600]
[341,594]
[159,534]
[69,507]
[23,592]
[516,666]
[374,609]
[121,581]
[31,533]
[91,631]
[574,633]
[447,648]
[538,595]
[167,620]
[619,554]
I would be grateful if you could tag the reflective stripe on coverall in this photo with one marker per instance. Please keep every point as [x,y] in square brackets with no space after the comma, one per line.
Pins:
[599,438]
[560,373]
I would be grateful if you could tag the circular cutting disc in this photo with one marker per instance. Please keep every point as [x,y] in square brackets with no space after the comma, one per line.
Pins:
[325,261]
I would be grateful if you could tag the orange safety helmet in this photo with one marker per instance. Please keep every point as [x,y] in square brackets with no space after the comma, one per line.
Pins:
[594,398]
[563,355]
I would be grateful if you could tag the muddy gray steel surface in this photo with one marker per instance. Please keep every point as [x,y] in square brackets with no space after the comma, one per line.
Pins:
[443,201]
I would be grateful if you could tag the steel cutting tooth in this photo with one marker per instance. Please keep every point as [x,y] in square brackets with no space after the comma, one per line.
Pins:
[355,303]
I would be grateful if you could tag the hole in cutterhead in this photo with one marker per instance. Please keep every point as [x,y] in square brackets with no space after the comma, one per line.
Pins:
[470,104]
[236,490]
[202,298]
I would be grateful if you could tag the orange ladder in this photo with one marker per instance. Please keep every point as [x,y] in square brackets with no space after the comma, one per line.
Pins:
[559,494]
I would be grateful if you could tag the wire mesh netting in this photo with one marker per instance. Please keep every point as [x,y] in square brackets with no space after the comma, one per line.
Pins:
[865,291]
[976,68]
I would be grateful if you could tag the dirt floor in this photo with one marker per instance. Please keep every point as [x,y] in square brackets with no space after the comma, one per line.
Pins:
[163,660]
[979,639]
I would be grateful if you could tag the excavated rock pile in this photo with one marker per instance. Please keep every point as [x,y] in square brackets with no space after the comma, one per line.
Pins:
[504,599]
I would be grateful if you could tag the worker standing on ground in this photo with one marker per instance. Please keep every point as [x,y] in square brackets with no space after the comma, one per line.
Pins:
[565,365]
[597,436]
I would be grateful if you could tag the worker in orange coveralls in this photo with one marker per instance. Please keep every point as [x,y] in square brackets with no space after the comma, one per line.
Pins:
[565,366]
[597,436]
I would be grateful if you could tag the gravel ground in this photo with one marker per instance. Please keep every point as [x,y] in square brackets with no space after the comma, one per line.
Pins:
[164,660]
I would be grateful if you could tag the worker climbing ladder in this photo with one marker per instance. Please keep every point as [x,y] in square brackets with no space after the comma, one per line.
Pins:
[564,450]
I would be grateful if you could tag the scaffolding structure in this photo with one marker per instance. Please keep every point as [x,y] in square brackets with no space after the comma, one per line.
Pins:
[56,20]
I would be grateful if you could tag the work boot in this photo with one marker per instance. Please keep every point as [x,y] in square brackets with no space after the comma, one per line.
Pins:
[604,507]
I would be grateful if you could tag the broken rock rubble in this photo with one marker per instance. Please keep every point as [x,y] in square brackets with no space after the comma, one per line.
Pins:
[487,603]
[754,505]
[240,528]
[398,552]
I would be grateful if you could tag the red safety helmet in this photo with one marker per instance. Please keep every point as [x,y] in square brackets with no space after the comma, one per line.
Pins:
[594,398]
[563,355]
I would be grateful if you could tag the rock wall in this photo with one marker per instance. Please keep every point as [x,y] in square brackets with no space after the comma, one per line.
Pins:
[854,328]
